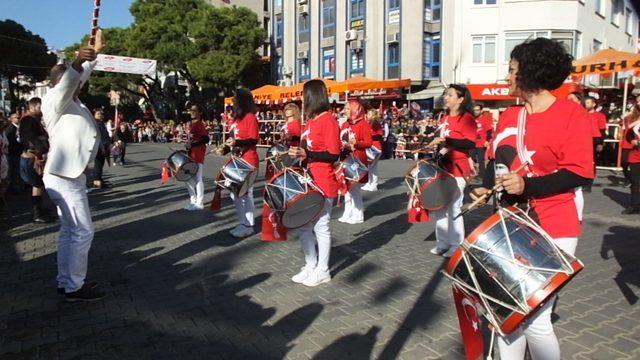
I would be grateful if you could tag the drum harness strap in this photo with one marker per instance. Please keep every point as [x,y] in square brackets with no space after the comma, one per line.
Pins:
[520,146]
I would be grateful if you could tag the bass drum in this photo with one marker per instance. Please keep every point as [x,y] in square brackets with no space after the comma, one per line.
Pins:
[373,155]
[434,186]
[181,165]
[354,170]
[279,157]
[237,176]
[293,194]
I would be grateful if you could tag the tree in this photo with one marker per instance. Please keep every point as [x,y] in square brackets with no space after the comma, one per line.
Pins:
[23,54]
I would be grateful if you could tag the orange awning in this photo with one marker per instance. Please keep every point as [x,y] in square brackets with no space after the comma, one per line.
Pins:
[605,62]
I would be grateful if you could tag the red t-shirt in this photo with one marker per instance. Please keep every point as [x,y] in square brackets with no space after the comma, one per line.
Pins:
[196,131]
[322,134]
[634,153]
[459,127]
[243,129]
[377,131]
[361,130]
[293,128]
[558,138]
[598,122]
[484,124]
[624,142]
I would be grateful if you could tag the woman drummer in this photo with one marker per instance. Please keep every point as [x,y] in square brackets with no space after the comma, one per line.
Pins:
[551,137]
[356,138]
[320,146]
[244,138]
[292,128]
[377,134]
[458,135]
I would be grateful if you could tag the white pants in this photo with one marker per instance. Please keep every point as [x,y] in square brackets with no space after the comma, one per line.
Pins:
[449,232]
[373,176]
[244,208]
[195,186]
[537,331]
[76,228]
[316,257]
[353,207]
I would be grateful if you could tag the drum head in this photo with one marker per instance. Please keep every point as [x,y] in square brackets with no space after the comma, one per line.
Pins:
[438,192]
[302,209]
[187,171]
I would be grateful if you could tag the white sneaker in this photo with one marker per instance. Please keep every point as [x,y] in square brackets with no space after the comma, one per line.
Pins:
[242,232]
[302,275]
[196,207]
[317,277]
[354,221]
[373,188]
[437,251]
[450,252]
[343,219]
[365,187]
[188,207]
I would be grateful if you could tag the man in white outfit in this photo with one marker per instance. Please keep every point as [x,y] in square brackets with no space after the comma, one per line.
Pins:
[74,142]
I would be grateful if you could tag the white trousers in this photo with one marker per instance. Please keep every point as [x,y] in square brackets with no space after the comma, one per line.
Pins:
[537,332]
[373,176]
[449,232]
[195,186]
[353,206]
[76,228]
[316,257]
[244,208]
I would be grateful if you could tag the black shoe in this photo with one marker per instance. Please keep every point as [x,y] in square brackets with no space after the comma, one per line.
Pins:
[631,211]
[89,284]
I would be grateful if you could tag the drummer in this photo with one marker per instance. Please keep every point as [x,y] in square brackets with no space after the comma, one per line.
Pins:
[320,145]
[244,138]
[458,132]
[196,145]
[377,133]
[292,128]
[356,138]
[557,151]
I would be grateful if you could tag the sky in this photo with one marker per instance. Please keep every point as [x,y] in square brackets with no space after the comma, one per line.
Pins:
[63,22]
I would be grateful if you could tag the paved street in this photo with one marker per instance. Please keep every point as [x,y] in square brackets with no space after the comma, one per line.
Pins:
[180,287]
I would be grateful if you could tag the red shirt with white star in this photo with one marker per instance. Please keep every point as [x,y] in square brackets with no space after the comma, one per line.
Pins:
[377,130]
[557,138]
[196,131]
[361,130]
[293,128]
[484,124]
[322,134]
[598,122]
[459,127]
[243,129]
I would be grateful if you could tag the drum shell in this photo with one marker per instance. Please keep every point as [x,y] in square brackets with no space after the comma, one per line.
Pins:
[373,155]
[292,195]
[354,170]
[509,320]
[237,176]
[182,166]
[436,188]
[279,157]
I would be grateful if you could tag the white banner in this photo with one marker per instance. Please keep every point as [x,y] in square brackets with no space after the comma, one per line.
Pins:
[127,65]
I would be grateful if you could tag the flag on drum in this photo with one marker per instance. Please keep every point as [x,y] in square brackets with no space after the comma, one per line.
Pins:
[165,174]
[272,228]
[466,306]
[416,213]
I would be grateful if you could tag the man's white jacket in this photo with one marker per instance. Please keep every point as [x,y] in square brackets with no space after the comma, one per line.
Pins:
[73,137]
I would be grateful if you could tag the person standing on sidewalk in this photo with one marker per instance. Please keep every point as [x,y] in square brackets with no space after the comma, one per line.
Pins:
[633,158]
[73,140]
[103,149]
[15,149]
[35,144]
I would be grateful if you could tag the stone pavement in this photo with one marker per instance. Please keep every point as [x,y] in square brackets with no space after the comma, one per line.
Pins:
[181,288]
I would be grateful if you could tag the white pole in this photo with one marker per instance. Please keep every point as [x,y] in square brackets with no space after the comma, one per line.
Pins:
[624,96]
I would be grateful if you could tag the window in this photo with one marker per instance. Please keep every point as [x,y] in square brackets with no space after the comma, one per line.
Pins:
[357,9]
[328,18]
[328,62]
[570,40]
[393,11]
[393,63]
[616,10]
[484,49]
[357,61]
[628,22]
[279,30]
[303,28]
[432,10]
[279,68]
[599,7]
[484,2]
[596,46]
[394,4]
[431,57]
[303,69]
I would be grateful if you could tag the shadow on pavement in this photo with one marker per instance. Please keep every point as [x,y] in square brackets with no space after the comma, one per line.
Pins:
[617,243]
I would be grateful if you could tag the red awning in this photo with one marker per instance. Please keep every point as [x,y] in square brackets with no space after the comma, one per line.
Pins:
[498,92]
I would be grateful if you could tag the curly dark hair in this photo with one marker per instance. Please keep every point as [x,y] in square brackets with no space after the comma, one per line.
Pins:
[543,64]
[243,103]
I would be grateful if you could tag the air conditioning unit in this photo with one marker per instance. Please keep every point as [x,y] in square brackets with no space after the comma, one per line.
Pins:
[393,38]
[302,2]
[356,45]
[351,35]
[303,9]
[303,54]
[287,70]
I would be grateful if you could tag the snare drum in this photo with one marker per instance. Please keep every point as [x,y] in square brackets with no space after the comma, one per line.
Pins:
[293,193]
[354,170]
[434,186]
[279,157]
[512,266]
[181,165]
[373,155]
[237,176]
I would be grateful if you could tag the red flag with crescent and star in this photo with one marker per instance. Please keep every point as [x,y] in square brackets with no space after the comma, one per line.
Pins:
[470,325]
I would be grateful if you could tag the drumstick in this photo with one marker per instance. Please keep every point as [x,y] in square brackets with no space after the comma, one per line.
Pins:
[487,194]
[94,22]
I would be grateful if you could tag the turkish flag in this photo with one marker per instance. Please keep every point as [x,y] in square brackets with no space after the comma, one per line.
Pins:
[470,325]
[165,174]
[416,213]
[272,229]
